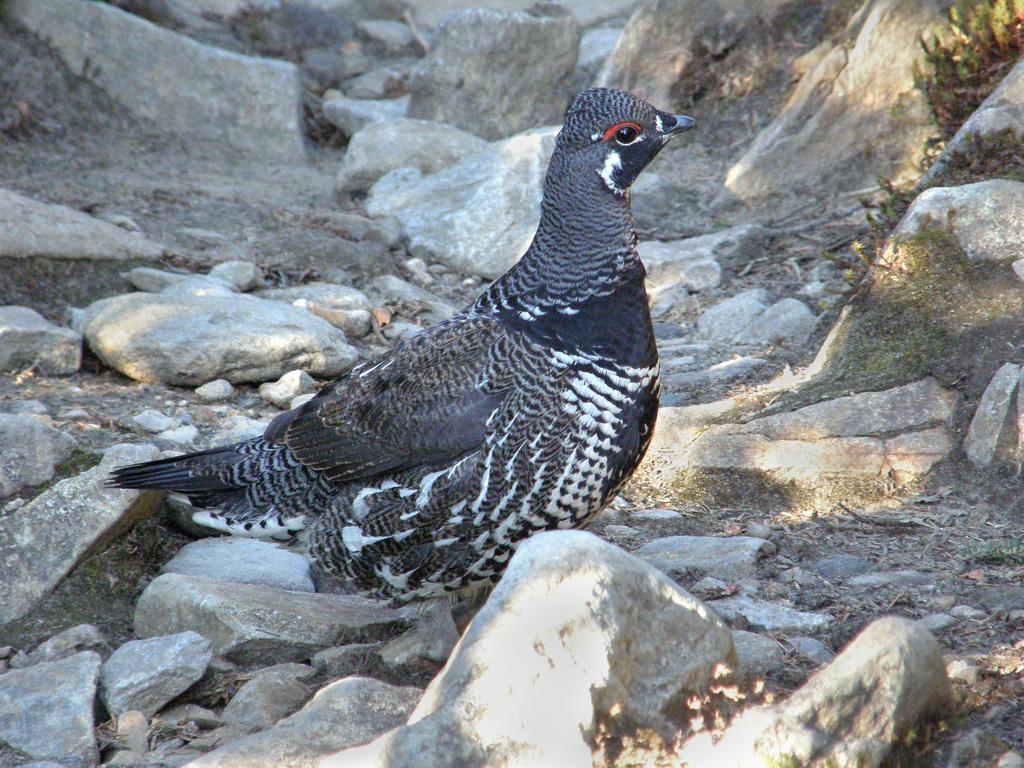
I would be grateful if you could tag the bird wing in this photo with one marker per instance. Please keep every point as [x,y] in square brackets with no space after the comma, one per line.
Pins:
[424,404]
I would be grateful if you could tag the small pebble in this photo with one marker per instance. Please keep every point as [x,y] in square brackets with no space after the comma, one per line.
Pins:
[936,622]
[154,421]
[1010,760]
[815,650]
[655,514]
[967,613]
[621,533]
[216,390]
[184,435]
[759,531]
[964,670]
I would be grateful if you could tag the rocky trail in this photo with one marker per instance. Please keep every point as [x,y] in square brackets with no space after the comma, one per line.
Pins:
[209,208]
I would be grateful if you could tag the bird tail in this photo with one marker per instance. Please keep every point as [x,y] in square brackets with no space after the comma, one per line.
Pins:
[194,474]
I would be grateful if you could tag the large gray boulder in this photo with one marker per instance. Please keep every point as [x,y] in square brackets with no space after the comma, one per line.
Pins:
[495,74]
[851,713]
[259,625]
[983,216]
[43,541]
[144,675]
[381,147]
[31,452]
[46,710]
[184,87]
[190,340]
[576,630]
[27,339]
[855,116]
[477,216]
[343,714]
[662,42]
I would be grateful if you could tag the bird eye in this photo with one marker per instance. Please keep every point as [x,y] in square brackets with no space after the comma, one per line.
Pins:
[626,134]
[623,133]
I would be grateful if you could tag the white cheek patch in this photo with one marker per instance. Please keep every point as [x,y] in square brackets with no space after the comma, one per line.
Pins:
[658,124]
[612,163]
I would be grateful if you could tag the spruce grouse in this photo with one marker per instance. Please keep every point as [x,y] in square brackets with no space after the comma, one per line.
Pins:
[418,474]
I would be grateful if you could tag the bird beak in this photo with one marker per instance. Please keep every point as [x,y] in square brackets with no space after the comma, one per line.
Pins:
[682,123]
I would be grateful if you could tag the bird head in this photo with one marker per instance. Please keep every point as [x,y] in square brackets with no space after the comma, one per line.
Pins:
[615,135]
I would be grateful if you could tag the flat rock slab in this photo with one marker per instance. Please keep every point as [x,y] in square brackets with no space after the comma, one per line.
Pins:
[851,713]
[27,340]
[31,229]
[575,631]
[991,420]
[272,694]
[190,340]
[243,561]
[478,215]
[47,710]
[46,539]
[731,558]
[343,714]
[769,617]
[256,625]
[144,675]
[184,87]
[31,452]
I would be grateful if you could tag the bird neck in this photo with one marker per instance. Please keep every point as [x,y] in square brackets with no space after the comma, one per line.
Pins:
[580,284]
[585,245]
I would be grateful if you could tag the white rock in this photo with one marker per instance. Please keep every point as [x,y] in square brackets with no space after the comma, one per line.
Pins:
[198,285]
[184,435]
[342,714]
[788,321]
[242,561]
[299,400]
[152,420]
[28,340]
[478,215]
[31,452]
[46,710]
[991,419]
[732,319]
[191,340]
[43,541]
[496,73]
[255,624]
[240,275]
[291,385]
[144,675]
[510,697]
[851,713]
[978,214]
[215,391]
[730,558]
[377,148]
[30,229]
[349,115]
[182,86]
[393,34]
[238,428]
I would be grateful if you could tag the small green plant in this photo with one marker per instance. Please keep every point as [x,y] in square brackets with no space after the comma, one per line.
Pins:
[965,65]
